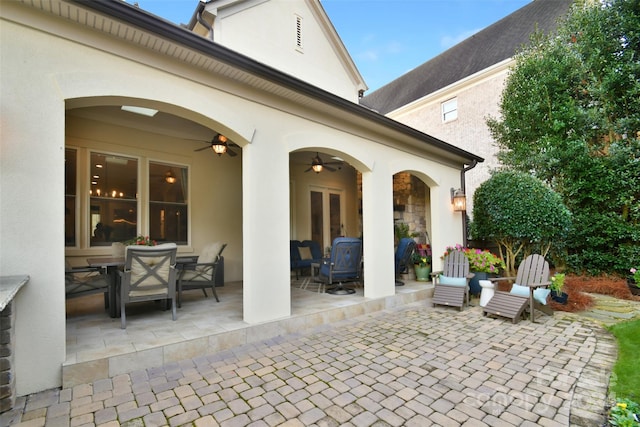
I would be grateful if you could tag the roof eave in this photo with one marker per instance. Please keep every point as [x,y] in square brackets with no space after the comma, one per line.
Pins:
[149,22]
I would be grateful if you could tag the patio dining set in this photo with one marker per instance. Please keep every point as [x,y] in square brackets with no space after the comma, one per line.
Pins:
[145,273]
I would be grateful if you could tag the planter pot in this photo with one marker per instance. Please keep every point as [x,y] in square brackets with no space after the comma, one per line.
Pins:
[474,283]
[560,298]
[633,287]
[422,273]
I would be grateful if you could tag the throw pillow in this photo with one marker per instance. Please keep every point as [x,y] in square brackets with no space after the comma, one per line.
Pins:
[541,295]
[305,252]
[453,281]
[521,291]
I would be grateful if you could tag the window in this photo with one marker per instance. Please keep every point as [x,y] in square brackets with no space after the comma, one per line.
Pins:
[168,211]
[326,215]
[113,201]
[450,110]
[70,196]
[106,199]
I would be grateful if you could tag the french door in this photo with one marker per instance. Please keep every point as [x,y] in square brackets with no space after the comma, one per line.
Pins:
[326,215]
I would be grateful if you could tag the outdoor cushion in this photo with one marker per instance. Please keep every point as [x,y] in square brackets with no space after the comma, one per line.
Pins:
[305,252]
[541,295]
[453,281]
[521,291]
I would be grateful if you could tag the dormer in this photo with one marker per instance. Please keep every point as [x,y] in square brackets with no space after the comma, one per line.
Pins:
[295,37]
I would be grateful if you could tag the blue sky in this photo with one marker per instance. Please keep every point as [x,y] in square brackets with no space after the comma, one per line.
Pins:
[386,38]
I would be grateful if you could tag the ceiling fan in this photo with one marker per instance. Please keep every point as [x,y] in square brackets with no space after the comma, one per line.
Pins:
[318,165]
[220,145]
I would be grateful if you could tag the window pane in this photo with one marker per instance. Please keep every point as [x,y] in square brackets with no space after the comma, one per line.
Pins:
[168,209]
[317,231]
[113,202]
[450,110]
[70,173]
[334,216]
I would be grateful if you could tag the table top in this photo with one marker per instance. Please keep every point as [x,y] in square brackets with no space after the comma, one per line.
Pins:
[119,261]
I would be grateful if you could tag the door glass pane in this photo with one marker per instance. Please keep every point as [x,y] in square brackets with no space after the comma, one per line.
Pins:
[70,174]
[334,216]
[168,210]
[113,199]
[316,217]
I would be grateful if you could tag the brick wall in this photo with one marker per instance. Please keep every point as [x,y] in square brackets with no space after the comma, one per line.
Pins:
[7,377]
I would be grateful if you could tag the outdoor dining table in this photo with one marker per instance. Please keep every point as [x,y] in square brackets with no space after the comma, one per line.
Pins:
[112,265]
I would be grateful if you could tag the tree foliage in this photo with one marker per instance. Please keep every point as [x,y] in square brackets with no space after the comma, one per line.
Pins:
[570,115]
[520,213]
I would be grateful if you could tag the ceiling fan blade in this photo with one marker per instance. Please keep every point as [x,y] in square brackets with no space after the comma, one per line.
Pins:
[231,152]
[329,168]
[208,147]
[309,169]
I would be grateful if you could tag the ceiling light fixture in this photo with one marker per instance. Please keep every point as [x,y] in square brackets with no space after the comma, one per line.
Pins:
[169,177]
[219,144]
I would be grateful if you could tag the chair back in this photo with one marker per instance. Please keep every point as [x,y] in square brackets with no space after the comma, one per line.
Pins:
[456,264]
[316,250]
[210,255]
[403,254]
[533,269]
[149,272]
[346,258]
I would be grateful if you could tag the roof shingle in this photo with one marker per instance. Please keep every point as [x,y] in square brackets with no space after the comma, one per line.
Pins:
[490,46]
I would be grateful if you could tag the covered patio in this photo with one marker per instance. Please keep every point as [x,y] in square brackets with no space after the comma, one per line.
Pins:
[96,347]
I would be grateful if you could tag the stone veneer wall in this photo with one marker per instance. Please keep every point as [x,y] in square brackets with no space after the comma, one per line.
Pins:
[7,377]
[410,199]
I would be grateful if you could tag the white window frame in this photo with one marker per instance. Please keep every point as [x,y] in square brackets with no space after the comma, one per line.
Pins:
[449,110]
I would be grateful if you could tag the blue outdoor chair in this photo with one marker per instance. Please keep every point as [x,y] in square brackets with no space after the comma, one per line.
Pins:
[403,257]
[344,265]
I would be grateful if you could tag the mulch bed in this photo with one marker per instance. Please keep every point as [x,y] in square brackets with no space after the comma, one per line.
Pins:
[577,287]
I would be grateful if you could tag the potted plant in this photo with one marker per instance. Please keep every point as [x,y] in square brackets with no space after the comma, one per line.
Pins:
[421,259]
[482,263]
[633,281]
[557,283]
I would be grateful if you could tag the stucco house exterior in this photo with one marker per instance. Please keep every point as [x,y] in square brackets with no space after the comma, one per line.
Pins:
[452,95]
[67,69]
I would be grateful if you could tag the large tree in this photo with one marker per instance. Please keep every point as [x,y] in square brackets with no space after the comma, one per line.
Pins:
[570,115]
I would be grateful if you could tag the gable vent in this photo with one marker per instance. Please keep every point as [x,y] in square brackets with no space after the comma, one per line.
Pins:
[299,32]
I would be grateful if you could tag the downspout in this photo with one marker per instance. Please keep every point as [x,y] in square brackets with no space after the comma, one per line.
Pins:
[473,164]
[203,22]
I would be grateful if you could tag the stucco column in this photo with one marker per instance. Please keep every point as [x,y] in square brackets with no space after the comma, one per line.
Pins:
[377,216]
[265,223]
[31,219]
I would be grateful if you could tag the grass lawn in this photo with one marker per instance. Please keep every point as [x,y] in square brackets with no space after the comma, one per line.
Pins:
[625,383]
[627,373]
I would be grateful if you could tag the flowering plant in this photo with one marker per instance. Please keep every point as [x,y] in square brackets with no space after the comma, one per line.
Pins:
[480,261]
[422,255]
[141,241]
[635,274]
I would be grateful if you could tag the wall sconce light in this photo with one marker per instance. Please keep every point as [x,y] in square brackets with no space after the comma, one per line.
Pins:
[169,177]
[219,144]
[458,200]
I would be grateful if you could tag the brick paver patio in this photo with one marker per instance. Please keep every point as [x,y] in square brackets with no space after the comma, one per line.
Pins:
[414,366]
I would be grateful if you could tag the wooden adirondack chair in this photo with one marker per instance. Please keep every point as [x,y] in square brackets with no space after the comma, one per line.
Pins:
[533,273]
[451,285]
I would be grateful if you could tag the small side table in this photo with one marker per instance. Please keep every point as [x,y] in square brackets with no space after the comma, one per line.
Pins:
[315,269]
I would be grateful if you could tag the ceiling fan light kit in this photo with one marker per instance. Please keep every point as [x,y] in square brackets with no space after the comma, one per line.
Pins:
[220,145]
[318,165]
